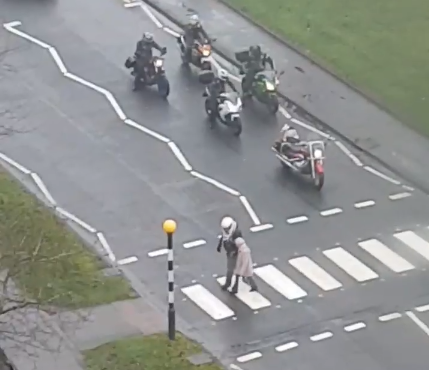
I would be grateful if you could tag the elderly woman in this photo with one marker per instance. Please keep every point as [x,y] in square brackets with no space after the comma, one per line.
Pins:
[243,266]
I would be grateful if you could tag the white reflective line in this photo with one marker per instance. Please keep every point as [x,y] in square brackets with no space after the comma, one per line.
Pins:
[310,128]
[381,175]
[171,32]
[12,24]
[149,13]
[296,220]
[58,60]
[15,164]
[132,5]
[415,242]
[254,300]
[409,188]
[418,322]
[315,273]
[399,196]
[354,327]
[75,219]
[365,204]
[215,183]
[115,105]
[195,243]
[127,261]
[350,264]
[321,336]
[386,256]
[331,212]
[422,308]
[106,246]
[389,317]
[249,357]
[180,157]
[211,305]
[286,346]
[280,282]
[349,154]
[158,252]
[285,113]
[147,131]
[263,227]
[25,35]
[250,210]
[86,83]
[42,187]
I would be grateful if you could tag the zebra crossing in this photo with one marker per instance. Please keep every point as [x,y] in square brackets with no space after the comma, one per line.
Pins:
[377,256]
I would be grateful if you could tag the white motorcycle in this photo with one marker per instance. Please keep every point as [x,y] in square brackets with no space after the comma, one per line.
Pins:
[228,110]
[307,162]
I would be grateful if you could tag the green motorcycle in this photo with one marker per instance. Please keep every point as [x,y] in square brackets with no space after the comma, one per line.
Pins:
[264,89]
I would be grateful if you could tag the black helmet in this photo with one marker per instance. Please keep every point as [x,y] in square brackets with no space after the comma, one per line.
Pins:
[255,51]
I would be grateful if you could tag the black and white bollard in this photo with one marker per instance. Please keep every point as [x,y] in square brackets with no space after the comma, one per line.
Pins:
[169,227]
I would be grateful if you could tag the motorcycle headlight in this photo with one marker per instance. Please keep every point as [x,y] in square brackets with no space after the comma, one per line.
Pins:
[270,86]
[318,154]
[206,53]
[277,81]
[158,63]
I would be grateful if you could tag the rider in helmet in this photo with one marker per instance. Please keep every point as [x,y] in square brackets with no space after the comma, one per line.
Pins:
[143,56]
[217,87]
[256,63]
[230,233]
[289,141]
[194,31]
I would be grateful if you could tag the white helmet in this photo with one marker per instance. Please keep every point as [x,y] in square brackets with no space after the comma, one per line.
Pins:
[226,222]
[223,75]
[194,20]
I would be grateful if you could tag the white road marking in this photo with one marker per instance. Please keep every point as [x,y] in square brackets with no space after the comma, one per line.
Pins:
[285,113]
[286,346]
[76,220]
[296,220]
[386,256]
[194,244]
[399,196]
[321,336]
[12,24]
[42,187]
[180,157]
[158,252]
[315,273]
[215,183]
[18,166]
[250,210]
[263,227]
[418,322]
[331,212]
[422,308]
[350,264]
[127,261]
[145,130]
[254,300]
[364,204]
[132,5]
[354,327]
[58,60]
[280,282]
[149,13]
[211,305]
[171,32]
[389,317]
[86,83]
[349,154]
[249,357]
[106,246]
[381,175]
[10,27]
[415,242]
[115,105]
[311,128]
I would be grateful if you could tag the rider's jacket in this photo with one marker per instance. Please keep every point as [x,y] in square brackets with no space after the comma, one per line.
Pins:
[193,33]
[144,49]
[218,86]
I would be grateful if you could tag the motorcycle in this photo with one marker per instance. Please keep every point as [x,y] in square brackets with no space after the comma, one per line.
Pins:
[155,75]
[307,162]
[228,110]
[264,89]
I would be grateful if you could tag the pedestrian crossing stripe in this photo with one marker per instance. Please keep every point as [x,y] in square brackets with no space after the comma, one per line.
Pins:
[309,269]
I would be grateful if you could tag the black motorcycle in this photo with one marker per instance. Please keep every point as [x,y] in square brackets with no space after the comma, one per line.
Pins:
[154,73]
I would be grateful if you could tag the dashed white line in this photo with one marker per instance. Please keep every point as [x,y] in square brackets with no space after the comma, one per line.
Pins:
[263,227]
[194,244]
[127,261]
[249,357]
[354,327]
[158,252]
[321,336]
[331,212]
[250,210]
[390,316]
[399,196]
[286,346]
[180,157]
[215,183]
[296,220]
[381,175]
[364,204]
[422,308]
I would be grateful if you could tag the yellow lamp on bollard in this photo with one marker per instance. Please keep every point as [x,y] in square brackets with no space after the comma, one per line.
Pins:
[169,226]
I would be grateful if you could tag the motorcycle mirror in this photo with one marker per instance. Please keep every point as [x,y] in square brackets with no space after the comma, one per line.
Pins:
[281,73]
[205,95]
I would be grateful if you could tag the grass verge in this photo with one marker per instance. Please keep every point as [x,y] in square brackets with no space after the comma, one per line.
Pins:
[379,46]
[153,352]
[46,260]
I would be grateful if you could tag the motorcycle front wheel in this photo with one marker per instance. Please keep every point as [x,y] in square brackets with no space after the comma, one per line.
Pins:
[237,126]
[273,103]
[163,87]
[319,180]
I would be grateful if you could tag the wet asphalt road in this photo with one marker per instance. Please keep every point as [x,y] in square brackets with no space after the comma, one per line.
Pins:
[125,183]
